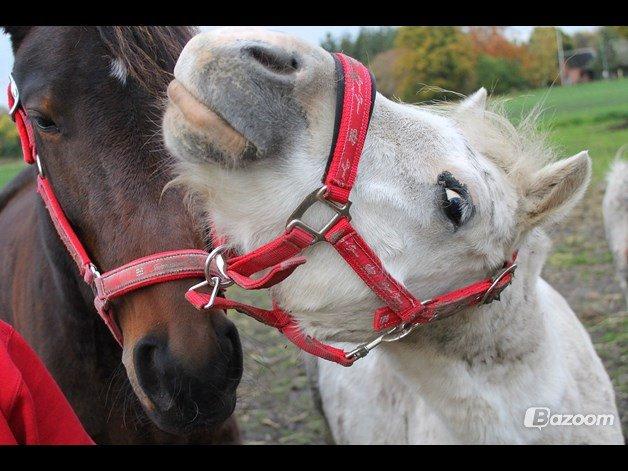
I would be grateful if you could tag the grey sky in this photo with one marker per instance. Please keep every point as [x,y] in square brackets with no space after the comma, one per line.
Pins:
[314,34]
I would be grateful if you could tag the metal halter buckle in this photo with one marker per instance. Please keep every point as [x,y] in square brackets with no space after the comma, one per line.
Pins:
[221,280]
[318,196]
[16,96]
[487,298]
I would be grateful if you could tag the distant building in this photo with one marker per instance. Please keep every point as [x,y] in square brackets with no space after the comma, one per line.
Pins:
[579,65]
[584,64]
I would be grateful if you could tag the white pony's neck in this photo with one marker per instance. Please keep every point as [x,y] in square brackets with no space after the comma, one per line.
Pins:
[502,331]
[464,367]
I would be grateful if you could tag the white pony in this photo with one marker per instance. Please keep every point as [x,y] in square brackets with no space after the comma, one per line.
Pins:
[615,210]
[251,119]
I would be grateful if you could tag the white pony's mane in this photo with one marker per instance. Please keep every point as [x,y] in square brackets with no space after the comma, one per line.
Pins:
[520,150]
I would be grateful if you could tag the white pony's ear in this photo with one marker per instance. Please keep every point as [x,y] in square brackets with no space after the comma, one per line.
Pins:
[555,189]
[475,102]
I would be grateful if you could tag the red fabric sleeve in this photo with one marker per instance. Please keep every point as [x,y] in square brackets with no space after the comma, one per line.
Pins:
[33,410]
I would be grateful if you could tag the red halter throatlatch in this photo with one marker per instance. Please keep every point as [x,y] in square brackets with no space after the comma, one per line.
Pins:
[402,312]
[146,271]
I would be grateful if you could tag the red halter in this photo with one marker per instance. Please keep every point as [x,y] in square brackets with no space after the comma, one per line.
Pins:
[146,271]
[402,312]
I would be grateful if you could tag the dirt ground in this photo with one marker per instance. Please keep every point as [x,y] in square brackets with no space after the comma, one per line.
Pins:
[275,404]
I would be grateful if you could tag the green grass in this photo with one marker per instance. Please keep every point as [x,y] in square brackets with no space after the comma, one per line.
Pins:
[8,169]
[591,116]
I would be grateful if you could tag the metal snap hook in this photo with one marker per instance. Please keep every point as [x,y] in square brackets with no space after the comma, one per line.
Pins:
[393,335]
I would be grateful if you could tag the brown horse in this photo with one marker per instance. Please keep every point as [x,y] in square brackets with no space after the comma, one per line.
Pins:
[94,96]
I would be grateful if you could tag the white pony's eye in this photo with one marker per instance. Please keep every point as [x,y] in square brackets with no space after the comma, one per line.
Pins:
[451,194]
[456,202]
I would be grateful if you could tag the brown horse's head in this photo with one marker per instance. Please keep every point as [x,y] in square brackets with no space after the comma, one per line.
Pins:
[94,96]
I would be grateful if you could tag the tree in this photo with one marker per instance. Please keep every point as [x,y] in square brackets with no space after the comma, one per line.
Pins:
[607,59]
[619,31]
[500,61]
[368,43]
[383,67]
[541,65]
[490,40]
[499,75]
[329,43]
[441,57]
[9,140]
[584,39]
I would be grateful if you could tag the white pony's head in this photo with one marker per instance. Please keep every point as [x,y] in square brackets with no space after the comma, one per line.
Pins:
[444,193]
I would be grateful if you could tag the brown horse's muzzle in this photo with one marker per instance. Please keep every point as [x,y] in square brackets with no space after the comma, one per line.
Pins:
[184,365]
[188,396]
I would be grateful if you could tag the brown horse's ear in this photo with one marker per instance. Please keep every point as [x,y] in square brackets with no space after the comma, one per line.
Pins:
[555,189]
[17,35]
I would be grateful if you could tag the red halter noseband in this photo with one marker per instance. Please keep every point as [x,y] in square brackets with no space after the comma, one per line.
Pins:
[146,271]
[402,312]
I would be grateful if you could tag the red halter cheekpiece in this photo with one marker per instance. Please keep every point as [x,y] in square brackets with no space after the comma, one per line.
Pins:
[402,312]
[146,271]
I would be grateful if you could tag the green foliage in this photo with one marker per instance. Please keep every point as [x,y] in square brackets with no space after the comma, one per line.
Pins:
[423,62]
[542,69]
[582,39]
[499,75]
[441,57]
[368,43]
[9,140]
[619,31]
[608,40]
[384,67]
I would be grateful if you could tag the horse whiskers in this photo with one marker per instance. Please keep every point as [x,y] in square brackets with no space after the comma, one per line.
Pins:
[124,390]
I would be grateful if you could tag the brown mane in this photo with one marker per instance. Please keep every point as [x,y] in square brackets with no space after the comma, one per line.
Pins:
[149,53]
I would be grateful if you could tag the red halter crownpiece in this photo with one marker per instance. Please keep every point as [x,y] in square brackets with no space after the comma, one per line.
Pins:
[157,268]
[402,312]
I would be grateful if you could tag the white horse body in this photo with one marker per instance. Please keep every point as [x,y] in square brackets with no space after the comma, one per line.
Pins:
[372,403]
[615,210]
[468,378]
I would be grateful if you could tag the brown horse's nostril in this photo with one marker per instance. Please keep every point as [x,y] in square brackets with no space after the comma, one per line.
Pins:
[190,394]
[275,59]
[229,342]
[151,368]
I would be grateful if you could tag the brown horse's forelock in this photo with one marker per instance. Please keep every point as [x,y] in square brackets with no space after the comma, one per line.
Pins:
[148,53]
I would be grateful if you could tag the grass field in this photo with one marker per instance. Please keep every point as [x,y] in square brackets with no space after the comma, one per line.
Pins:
[8,169]
[275,404]
[591,116]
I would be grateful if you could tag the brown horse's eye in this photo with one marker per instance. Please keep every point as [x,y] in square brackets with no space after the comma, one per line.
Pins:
[43,123]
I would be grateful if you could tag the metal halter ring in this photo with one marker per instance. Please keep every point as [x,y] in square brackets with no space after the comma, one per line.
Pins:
[222,280]
[16,96]
[486,299]
[94,270]
[221,266]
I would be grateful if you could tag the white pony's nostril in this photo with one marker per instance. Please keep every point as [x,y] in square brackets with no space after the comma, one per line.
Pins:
[275,59]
